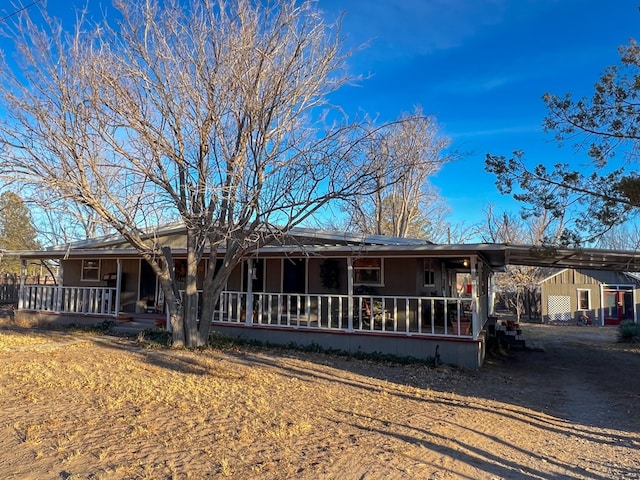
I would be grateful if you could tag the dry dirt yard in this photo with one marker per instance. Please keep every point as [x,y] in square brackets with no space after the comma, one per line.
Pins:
[81,406]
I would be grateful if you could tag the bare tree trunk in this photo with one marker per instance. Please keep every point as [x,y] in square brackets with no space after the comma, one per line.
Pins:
[190,297]
[210,300]
[167,278]
[378,206]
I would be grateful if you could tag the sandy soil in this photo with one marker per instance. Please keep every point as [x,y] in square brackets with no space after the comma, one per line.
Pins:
[76,406]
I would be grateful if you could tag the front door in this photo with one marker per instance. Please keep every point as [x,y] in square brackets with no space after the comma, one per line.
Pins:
[294,281]
[147,287]
[618,306]
[294,275]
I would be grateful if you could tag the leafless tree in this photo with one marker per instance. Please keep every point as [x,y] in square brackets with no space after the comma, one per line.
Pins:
[621,237]
[445,231]
[518,285]
[212,110]
[404,155]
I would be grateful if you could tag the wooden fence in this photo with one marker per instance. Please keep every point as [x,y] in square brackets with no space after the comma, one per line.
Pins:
[10,285]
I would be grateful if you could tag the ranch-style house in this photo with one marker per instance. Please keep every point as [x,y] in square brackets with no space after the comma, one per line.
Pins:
[352,292]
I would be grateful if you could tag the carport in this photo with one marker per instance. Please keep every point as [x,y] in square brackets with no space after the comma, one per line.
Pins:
[605,274]
[500,255]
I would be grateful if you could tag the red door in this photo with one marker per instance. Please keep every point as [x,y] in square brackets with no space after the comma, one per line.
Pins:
[618,306]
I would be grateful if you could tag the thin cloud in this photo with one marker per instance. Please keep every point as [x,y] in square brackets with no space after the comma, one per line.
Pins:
[415,27]
[477,85]
[500,131]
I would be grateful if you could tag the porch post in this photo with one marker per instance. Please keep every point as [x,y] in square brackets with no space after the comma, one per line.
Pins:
[249,303]
[350,294]
[473,259]
[118,285]
[492,294]
[60,287]
[601,304]
[21,293]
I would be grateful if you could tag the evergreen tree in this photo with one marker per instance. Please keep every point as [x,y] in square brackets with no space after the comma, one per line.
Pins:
[16,229]
[590,199]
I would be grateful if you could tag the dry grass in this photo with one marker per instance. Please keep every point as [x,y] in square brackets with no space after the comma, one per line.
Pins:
[79,406]
[113,404]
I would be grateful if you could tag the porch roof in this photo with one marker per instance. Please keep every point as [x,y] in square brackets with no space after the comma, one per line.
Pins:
[497,256]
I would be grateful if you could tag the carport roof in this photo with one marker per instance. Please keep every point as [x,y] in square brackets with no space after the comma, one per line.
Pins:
[556,257]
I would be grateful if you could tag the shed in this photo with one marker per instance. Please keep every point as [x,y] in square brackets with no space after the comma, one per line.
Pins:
[583,296]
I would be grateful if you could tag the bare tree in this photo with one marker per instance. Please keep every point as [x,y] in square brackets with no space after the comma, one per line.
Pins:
[518,285]
[444,231]
[210,110]
[621,237]
[404,155]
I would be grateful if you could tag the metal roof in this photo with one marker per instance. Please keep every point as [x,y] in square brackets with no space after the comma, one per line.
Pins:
[497,256]
[316,242]
[296,236]
[588,258]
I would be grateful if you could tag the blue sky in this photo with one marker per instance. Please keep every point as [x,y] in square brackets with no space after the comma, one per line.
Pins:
[479,66]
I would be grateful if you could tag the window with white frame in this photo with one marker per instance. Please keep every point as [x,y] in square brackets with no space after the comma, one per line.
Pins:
[367,271]
[429,273]
[90,270]
[584,299]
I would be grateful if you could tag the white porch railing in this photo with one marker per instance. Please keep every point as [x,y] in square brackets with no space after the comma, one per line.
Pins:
[362,313]
[446,316]
[84,300]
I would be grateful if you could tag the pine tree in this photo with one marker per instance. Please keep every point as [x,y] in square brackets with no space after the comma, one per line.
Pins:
[16,229]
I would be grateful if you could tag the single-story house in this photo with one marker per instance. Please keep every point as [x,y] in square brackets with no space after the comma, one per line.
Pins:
[352,292]
[592,297]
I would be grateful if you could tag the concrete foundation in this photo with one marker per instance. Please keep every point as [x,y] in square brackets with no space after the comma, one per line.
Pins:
[460,352]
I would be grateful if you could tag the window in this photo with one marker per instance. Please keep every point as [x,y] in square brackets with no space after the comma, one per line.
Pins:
[90,270]
[584,299]
[367,271]
[429,274]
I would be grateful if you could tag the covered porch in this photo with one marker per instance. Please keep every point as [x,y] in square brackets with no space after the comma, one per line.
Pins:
[334,289]
[326,281]
[359,319]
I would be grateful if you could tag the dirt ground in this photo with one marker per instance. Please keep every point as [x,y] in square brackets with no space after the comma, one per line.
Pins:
[79,406]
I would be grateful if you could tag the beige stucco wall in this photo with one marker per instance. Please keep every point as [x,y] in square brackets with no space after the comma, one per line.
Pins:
[402,276]
[273,269]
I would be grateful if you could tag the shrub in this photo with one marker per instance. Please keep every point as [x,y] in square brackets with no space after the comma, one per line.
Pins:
[154,338]
[629,331]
